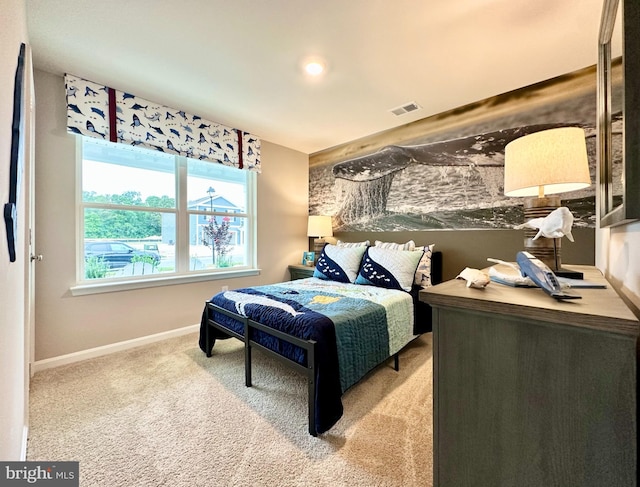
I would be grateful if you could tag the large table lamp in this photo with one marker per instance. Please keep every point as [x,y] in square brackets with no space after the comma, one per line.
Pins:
[318,228]
[539,166]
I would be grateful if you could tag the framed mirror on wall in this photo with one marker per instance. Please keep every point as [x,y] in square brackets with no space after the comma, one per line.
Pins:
[618,112]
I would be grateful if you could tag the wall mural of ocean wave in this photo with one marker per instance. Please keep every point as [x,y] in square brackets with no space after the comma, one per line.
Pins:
[454,178]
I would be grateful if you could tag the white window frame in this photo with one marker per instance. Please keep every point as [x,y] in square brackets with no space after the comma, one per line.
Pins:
[181,275]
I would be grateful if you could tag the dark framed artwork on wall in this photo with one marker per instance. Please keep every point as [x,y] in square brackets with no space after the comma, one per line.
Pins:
[619,113]
[17,157]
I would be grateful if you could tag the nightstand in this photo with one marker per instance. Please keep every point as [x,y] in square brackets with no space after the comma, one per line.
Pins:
[300,271]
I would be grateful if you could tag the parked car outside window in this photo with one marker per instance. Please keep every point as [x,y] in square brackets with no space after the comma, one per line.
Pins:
[117,254]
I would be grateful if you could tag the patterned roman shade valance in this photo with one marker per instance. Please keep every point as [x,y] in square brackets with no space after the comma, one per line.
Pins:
[98,111]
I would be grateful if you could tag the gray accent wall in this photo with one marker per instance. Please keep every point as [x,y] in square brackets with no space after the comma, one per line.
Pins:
[471,248]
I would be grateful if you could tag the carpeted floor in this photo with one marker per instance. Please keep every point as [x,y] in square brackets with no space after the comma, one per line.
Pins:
[166,415]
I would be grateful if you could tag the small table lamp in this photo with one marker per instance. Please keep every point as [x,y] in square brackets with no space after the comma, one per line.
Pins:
[546,162]
[319,227]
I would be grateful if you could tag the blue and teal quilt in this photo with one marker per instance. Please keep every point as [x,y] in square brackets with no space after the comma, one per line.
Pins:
[356,328]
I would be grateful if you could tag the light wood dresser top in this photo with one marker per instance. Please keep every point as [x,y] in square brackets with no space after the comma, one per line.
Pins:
[600,309]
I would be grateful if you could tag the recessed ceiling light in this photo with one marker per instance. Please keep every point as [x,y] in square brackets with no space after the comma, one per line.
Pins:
[314,66]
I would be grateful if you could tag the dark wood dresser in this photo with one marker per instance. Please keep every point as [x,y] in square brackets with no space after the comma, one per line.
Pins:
[530,391]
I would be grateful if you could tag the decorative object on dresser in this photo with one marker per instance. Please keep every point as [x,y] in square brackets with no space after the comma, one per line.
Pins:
[541,164]
[531,391]
[319,227]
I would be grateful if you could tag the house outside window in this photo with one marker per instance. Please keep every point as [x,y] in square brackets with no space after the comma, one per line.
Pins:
[146,215]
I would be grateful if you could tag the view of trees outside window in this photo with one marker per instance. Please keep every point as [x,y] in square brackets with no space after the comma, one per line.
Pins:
[132,213]
[218,219]
[218,238]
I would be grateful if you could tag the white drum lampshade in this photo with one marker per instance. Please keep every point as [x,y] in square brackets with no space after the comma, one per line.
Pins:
[547,162]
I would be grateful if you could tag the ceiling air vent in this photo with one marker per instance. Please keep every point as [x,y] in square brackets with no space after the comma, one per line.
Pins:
[409,107]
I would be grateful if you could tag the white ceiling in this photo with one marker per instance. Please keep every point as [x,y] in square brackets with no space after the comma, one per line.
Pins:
[236,62]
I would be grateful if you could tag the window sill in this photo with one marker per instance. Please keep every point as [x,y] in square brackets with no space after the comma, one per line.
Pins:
[110,287]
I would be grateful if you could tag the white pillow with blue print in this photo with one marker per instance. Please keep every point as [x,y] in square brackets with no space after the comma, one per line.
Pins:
[389,268]
[339,263]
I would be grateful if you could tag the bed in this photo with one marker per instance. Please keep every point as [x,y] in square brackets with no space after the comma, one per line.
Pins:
[334,327]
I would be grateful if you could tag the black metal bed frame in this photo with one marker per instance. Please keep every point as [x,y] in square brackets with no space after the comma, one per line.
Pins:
[308,345]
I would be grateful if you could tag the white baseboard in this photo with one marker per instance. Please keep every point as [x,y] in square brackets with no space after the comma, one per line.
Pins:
[70,358]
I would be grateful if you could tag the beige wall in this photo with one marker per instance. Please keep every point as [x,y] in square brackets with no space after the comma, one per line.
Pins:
[66,324]
[13,383]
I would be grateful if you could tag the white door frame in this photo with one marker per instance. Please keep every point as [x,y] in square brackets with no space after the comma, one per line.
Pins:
[29,237]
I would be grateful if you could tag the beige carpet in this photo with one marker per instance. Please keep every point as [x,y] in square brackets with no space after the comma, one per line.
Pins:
[166,415]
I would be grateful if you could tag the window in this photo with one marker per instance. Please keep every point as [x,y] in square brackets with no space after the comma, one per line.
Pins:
[146,215]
